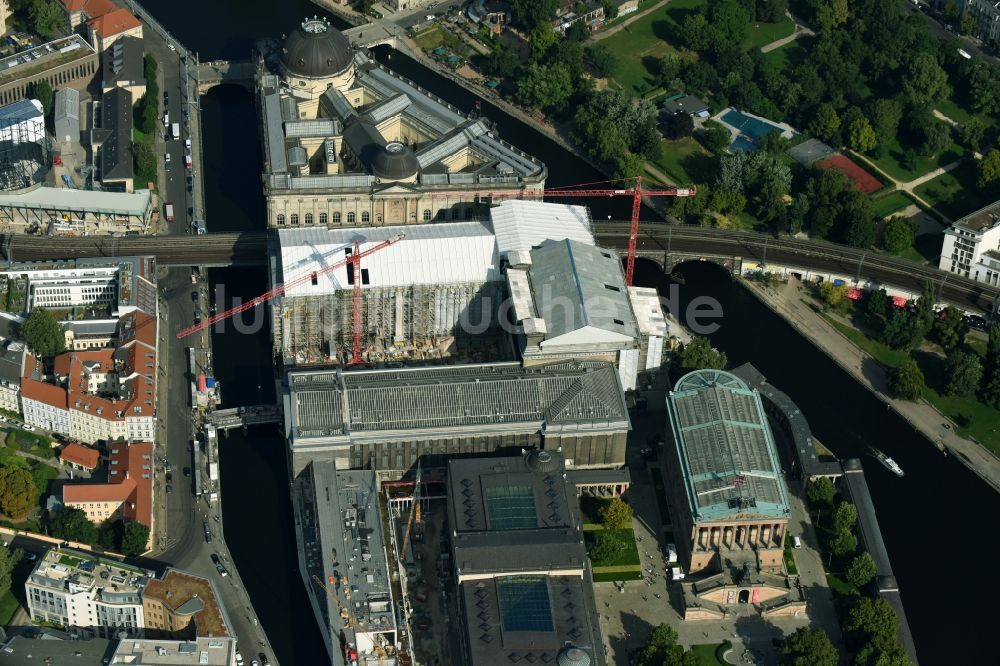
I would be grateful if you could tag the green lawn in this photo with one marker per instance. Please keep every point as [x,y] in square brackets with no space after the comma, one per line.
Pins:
[711,654]
[889,204]
[761,34]
[960,114]
[8,606]
[685,161]
[955,193]
[627,557]
[892,162]
[431,38]
[608,577]
[790,559]
[791,54]
[880,352]
[840,586]
[645,41]
[926,248]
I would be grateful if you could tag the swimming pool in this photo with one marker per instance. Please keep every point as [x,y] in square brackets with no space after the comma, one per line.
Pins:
[742,144]
[755,129]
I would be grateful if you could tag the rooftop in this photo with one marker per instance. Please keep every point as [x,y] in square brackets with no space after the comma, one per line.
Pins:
[981,220]
[522,225]
[22,651]
[115,134]
[464,252]
[76,571]
[725,447]
[122,62]
[113,23]
[187,594]
[135,204]
[351,547]
[50,54]
[130,480]
[567,394]
[162,652]
[84,456]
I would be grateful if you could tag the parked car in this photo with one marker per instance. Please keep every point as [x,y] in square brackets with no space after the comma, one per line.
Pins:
[263,659]
[222,570]
[170,489]
[239,658]
[796,542]
[29,428]
[170,477]
[31,557]
[187,471]
[168,466]
[215,559]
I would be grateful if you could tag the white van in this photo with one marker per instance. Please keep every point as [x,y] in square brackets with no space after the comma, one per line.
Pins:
[796,542]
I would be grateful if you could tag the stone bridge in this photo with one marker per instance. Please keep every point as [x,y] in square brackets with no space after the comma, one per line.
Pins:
[240,417]
[225,72]
[374,34]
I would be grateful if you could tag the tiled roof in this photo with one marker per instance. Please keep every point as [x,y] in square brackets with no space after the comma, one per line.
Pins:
[113,23]
[41,392]
[81,455]
[98,492]
[130,480]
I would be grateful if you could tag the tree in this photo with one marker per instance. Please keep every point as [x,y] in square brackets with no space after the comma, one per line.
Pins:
[861,570]
[973,133]
[906,380]
[825,123]
[666,70]
[861,229]
[18,494]
[729,24]
[871,618]
[950,12]
[529,14]
[833,294]
[820,491]
[135,538]
[950,328]
[616,514]
[43,333]
[808,647]
[663,650]
[898,234]
[43,93]
[967,24]
[544,87]
[843,543]
[878,304]
[964,371]
[831,13]
[72,524]
[541,39]
[678,125]
[109,535]
[771,11]
[601,59]
[694,32]
[937,138]
[714,137]
[861,136]
[503,62]
[844,517]
[989,169]
[903,330]
[699,354]
[885,117]
[9,557]
[924,81]
[607,546]
[47,18]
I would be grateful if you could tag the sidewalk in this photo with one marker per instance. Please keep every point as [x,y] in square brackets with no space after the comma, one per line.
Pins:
[921,415]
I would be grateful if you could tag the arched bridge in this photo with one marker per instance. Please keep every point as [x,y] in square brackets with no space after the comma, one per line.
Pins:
[667,245]
[219,72]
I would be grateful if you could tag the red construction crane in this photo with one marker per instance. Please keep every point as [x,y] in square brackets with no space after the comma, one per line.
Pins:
[636,191]
[354,260]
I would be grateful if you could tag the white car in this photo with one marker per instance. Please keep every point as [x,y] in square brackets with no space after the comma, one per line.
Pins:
[27,427]
[171,47]
[239,658]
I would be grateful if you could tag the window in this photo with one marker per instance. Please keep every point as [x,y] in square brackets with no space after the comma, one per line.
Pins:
[365,217]
[350,217]
[322,218]
[281,218]
[309,218]
[295,218]
[427,215]
[336,218]
[378,218]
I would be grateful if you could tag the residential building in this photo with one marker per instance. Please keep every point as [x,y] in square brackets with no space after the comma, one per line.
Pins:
[83,458]
[64,62]
[12,355]
[183,605]
[67,115]
[347,142]
[987,16]
[689,104]
[72,589]
[627,7]
[108,28]
[164,652]
[122,66]
[78,12]
[113,286]
[388,419]
[971,246]
[493,14]
[128,492]
[351,590]
[730,502]
[535,603]
[107,394]
[112,141]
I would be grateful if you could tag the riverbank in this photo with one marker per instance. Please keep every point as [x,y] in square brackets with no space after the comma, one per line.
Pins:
[786,301]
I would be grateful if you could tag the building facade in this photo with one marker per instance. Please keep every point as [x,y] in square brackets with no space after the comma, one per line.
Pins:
[350,143]
[76,590]
[971,246]
[388,419]
[724,476]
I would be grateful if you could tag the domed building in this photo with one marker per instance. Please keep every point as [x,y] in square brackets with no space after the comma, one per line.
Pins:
[349,143]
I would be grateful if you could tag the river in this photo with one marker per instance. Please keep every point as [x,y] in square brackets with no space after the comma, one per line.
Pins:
[934,520]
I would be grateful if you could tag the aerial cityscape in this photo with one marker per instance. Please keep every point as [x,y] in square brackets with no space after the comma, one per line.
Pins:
[499,332]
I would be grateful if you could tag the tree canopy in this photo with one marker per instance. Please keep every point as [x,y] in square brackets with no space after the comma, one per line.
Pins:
[700,354]
[18,493]
[808,647]
[821,491]
[616,514]
[135,538]
[906,380]
[43,333]
[9,557]
[72,524]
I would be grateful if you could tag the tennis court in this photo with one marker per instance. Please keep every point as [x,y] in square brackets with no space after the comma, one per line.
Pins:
[863,181]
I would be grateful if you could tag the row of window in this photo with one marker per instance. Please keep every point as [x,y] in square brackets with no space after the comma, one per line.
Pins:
[365,217]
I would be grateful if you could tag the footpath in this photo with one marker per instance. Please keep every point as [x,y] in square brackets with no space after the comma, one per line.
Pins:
[786,300]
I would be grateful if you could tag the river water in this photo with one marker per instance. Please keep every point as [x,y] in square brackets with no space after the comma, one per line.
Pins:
[936,521]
